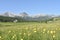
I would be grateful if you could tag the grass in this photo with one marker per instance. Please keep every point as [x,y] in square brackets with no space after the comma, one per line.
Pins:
[30,31]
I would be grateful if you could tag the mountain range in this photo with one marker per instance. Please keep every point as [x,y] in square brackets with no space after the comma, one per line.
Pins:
[25,17]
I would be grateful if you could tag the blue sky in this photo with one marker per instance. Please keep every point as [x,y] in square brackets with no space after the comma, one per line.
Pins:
[31,6]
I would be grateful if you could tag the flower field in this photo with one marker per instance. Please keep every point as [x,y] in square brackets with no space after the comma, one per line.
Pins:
[30,31]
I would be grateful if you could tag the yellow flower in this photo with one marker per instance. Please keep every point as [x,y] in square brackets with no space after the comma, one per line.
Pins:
[0,37]
[29,34]
[35,31]
[51,32]
[24,33]
[9,31]
[53,36]
[44,29]
[21,39]
[14,36]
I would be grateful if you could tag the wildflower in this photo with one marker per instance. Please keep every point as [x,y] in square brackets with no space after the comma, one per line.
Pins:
[35,31]
[24,33]
[53,36]
[14,36]
[21,39]
[9,31]
[0,37]
[29,34]
[51,32]
[44,29]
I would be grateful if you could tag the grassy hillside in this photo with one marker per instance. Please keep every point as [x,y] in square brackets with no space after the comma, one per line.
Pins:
[30,31]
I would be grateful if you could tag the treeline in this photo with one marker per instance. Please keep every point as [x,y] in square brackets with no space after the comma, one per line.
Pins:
[6,19]
[20,19]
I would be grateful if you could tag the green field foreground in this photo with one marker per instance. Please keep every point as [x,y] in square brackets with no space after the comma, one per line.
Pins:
[30,31]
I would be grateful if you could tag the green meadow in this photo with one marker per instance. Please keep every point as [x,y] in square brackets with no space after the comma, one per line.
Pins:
[30,31]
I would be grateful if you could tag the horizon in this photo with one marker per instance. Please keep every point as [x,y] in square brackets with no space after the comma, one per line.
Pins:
[39,14]
[29,14]
[32,7]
